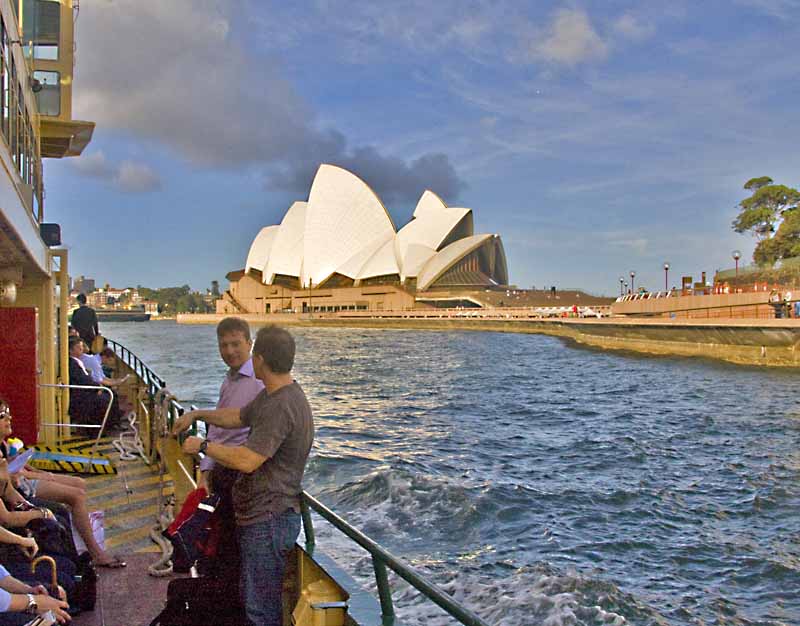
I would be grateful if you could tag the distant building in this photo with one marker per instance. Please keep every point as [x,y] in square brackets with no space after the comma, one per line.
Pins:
[340,250]
[83,285]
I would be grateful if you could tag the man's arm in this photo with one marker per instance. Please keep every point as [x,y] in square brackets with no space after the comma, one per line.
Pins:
[229,417]
[239,458]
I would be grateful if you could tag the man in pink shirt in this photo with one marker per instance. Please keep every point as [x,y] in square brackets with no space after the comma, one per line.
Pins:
[238,389]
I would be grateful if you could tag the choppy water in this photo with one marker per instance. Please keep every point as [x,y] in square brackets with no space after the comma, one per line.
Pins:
[542,483]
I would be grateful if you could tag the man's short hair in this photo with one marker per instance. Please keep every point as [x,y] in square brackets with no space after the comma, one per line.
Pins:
[81,298]
[74,340]
[108,353]
[276,347]
[233,325]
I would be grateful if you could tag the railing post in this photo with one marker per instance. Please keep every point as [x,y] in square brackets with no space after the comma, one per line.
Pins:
[384,592]
[308,525]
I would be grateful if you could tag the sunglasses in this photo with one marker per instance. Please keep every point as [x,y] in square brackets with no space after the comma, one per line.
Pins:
[5,414]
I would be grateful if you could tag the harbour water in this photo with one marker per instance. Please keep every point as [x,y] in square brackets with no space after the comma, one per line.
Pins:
[539,482]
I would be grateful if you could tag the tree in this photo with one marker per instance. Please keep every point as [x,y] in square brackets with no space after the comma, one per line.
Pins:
[769,213]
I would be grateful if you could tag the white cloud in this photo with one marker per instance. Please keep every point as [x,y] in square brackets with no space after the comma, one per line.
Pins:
[137,178]
[571,40]
[780,9]
[129,176]
[632,28]
[193,88]
[94,165]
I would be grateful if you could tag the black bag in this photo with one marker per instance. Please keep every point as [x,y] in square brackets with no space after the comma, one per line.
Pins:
[53,538]
[85,594]
[201,602]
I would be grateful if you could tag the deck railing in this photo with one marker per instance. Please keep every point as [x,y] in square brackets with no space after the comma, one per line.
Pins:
[381,560]
[155,385]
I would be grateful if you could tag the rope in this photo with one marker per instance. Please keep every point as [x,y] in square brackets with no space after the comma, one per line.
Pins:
[129,450]
[162,567]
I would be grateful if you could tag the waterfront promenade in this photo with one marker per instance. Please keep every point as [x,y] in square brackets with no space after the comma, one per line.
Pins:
[762,342]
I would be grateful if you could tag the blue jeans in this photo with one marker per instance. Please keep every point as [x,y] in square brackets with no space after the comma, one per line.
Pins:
[264,547]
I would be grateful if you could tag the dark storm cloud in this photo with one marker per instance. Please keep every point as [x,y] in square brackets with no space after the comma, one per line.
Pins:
[390,177]
[174,73]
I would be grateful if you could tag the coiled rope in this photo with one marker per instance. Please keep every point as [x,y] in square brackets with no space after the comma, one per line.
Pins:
[166,506]
[129,443]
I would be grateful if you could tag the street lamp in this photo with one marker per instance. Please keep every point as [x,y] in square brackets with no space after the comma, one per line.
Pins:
[626,287]
[736,254]
[621,280]
[666,276]
[633,275]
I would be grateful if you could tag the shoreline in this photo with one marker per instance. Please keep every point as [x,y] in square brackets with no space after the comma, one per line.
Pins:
[769,343]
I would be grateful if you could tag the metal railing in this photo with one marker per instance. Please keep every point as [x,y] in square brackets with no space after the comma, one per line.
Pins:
[381,560]
[155,386]
[101,427]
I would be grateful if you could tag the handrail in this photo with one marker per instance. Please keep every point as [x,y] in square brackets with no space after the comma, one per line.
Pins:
[153,382]
[91,426]
[381,559]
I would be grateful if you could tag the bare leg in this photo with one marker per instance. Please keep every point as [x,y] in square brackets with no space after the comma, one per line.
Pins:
[75,498]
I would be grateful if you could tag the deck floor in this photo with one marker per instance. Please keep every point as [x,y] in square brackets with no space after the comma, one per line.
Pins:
[129,499]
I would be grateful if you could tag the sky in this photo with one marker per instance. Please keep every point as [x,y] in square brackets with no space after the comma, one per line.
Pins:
[597,137]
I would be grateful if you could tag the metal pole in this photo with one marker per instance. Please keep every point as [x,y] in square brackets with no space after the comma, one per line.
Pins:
[384,591]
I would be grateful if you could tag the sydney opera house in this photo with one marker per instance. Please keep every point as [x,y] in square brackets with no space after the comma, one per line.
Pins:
[340,250]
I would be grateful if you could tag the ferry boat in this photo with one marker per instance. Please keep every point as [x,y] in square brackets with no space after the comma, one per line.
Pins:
[140,477]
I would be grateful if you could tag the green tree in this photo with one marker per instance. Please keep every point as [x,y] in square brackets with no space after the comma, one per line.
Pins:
[769,214]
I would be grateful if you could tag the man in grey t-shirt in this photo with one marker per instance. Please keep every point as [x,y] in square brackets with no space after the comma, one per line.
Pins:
[266,496]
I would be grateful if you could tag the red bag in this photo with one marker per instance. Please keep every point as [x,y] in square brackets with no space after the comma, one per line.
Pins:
[195,532]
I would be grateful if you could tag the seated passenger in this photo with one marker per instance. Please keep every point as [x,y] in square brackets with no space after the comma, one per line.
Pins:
[94,364]
[69,490]
[86,406]
[20,602]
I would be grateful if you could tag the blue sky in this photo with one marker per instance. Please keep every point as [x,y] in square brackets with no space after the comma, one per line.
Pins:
[595,137]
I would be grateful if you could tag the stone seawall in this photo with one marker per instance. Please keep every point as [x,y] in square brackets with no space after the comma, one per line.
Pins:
[748,342]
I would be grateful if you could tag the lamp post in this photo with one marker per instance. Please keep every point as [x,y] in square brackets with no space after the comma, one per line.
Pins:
[621,281]
[666,276]
[736,254]
[633,275]
[626,287]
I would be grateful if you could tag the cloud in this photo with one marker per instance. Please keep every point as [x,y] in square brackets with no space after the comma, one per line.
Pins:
[631,28]
[390,177]
[128,176]
[137,178]
[780,9]
[193,89]
[94,165]
[571,40]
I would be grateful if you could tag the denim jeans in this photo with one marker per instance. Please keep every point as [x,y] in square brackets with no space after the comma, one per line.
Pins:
[264,547]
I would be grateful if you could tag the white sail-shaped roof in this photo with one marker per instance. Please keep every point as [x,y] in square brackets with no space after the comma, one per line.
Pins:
[343,229]
[382,263]
[260,249]
[343,216]
[415,259]
[352,267]
[429,202]
[430,230]
[444,259]
[286,256]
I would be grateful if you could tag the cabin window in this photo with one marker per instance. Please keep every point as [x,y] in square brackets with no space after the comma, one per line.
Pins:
[41,25]
[4,80]
[49,98]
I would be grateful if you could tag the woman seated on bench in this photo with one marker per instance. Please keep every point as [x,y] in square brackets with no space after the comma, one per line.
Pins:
[45,486]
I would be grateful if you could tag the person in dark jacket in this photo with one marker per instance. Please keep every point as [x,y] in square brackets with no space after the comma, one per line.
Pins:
[84,320]
[86,406]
